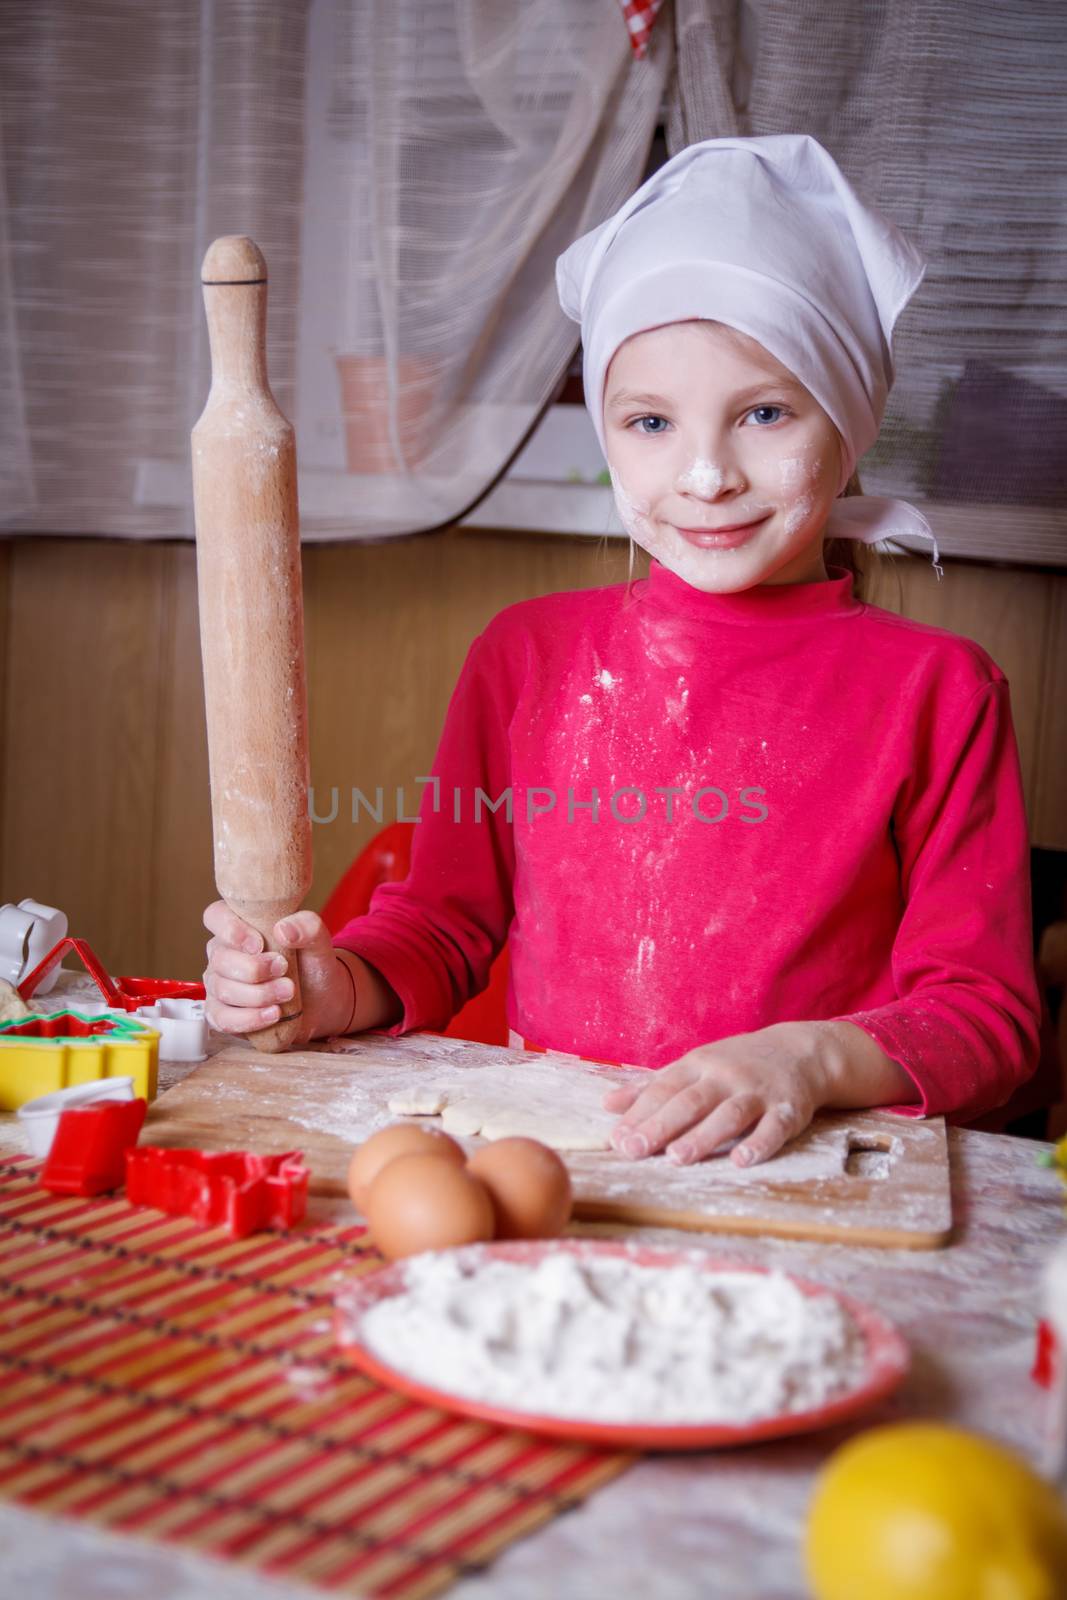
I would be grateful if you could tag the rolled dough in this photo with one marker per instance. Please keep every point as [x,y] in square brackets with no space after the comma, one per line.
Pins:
[419,1101]
[558,1131]
[466,1114]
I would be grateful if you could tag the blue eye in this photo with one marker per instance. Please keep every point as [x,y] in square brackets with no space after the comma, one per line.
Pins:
[764,417]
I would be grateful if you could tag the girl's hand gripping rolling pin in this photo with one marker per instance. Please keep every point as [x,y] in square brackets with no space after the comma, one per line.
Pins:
[248,983]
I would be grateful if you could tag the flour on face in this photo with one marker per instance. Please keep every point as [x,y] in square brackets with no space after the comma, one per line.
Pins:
[703,477]
[633,513]
[735,444]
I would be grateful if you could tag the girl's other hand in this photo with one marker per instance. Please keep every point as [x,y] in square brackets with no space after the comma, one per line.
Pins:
[247,985]
[770,1082]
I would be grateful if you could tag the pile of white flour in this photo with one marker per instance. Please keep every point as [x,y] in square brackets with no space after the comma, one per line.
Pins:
[609,1340]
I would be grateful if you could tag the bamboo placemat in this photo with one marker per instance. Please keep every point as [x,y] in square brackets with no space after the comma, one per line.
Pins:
[170,1383]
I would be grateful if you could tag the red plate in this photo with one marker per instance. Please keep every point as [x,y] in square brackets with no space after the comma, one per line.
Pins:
[887,1357]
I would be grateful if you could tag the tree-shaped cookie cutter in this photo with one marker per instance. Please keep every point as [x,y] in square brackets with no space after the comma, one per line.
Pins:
[173,1008]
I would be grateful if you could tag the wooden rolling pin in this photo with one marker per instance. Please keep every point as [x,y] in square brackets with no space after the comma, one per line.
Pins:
[251,616]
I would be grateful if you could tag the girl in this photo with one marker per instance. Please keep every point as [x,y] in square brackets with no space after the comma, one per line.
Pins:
[735,825]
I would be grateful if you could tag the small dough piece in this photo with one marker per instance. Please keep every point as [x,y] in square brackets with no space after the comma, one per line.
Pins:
[421,1100]
[465,1117]
[559,1132]
[12,1006]
[494,1119]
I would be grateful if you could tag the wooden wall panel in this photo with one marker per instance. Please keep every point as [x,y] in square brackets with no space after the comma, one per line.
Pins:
[183,877]
[104,804]
[82,733]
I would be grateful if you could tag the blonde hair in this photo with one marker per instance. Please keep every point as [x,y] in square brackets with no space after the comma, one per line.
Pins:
[851,554]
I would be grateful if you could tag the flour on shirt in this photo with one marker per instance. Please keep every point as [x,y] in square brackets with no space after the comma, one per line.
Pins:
[613,1340]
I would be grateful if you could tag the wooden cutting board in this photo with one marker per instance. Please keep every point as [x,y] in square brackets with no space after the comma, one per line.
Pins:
[864,1178]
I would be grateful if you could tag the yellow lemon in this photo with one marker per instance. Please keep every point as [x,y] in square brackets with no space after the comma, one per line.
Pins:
[917,1511]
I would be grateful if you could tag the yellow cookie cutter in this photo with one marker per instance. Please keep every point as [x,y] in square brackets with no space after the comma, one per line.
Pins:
[40,1054]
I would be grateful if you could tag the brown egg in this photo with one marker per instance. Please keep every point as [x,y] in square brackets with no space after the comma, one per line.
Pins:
[400,1139]
[529,1186]
[419,1202]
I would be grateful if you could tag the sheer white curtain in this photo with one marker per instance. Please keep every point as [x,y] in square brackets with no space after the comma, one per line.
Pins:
[410,168]
[950,116]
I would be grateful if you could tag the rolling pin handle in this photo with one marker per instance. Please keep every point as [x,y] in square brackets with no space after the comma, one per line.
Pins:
[234,282]
[285,1033]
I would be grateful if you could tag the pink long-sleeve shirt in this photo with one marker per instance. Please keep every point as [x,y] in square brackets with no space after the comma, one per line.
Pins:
[716,812]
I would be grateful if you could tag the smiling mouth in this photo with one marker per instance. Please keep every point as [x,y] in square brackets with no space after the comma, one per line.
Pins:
[728,528]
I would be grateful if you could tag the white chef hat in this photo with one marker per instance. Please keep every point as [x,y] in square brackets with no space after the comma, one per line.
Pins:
[767,236]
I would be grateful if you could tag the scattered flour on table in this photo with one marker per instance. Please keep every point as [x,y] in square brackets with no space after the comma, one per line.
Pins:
[611,1340]
[309,1381]
[432,1073]
[536,1096]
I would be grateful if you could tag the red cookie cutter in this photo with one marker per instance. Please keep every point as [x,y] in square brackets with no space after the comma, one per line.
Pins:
[122,994]
[232,1189]
[1047,1356]
[88,1154]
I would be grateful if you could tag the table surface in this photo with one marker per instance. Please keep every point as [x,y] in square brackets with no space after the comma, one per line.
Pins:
[968,1313]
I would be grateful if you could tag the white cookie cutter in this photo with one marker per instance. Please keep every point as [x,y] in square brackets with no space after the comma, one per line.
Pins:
[27,932]
[40,1117]
[181,1024]
[182,1028]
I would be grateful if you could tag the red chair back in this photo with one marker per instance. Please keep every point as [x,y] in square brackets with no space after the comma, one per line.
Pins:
[386,859]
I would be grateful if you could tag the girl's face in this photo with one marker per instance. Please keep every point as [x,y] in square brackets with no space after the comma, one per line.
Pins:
[724,466]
